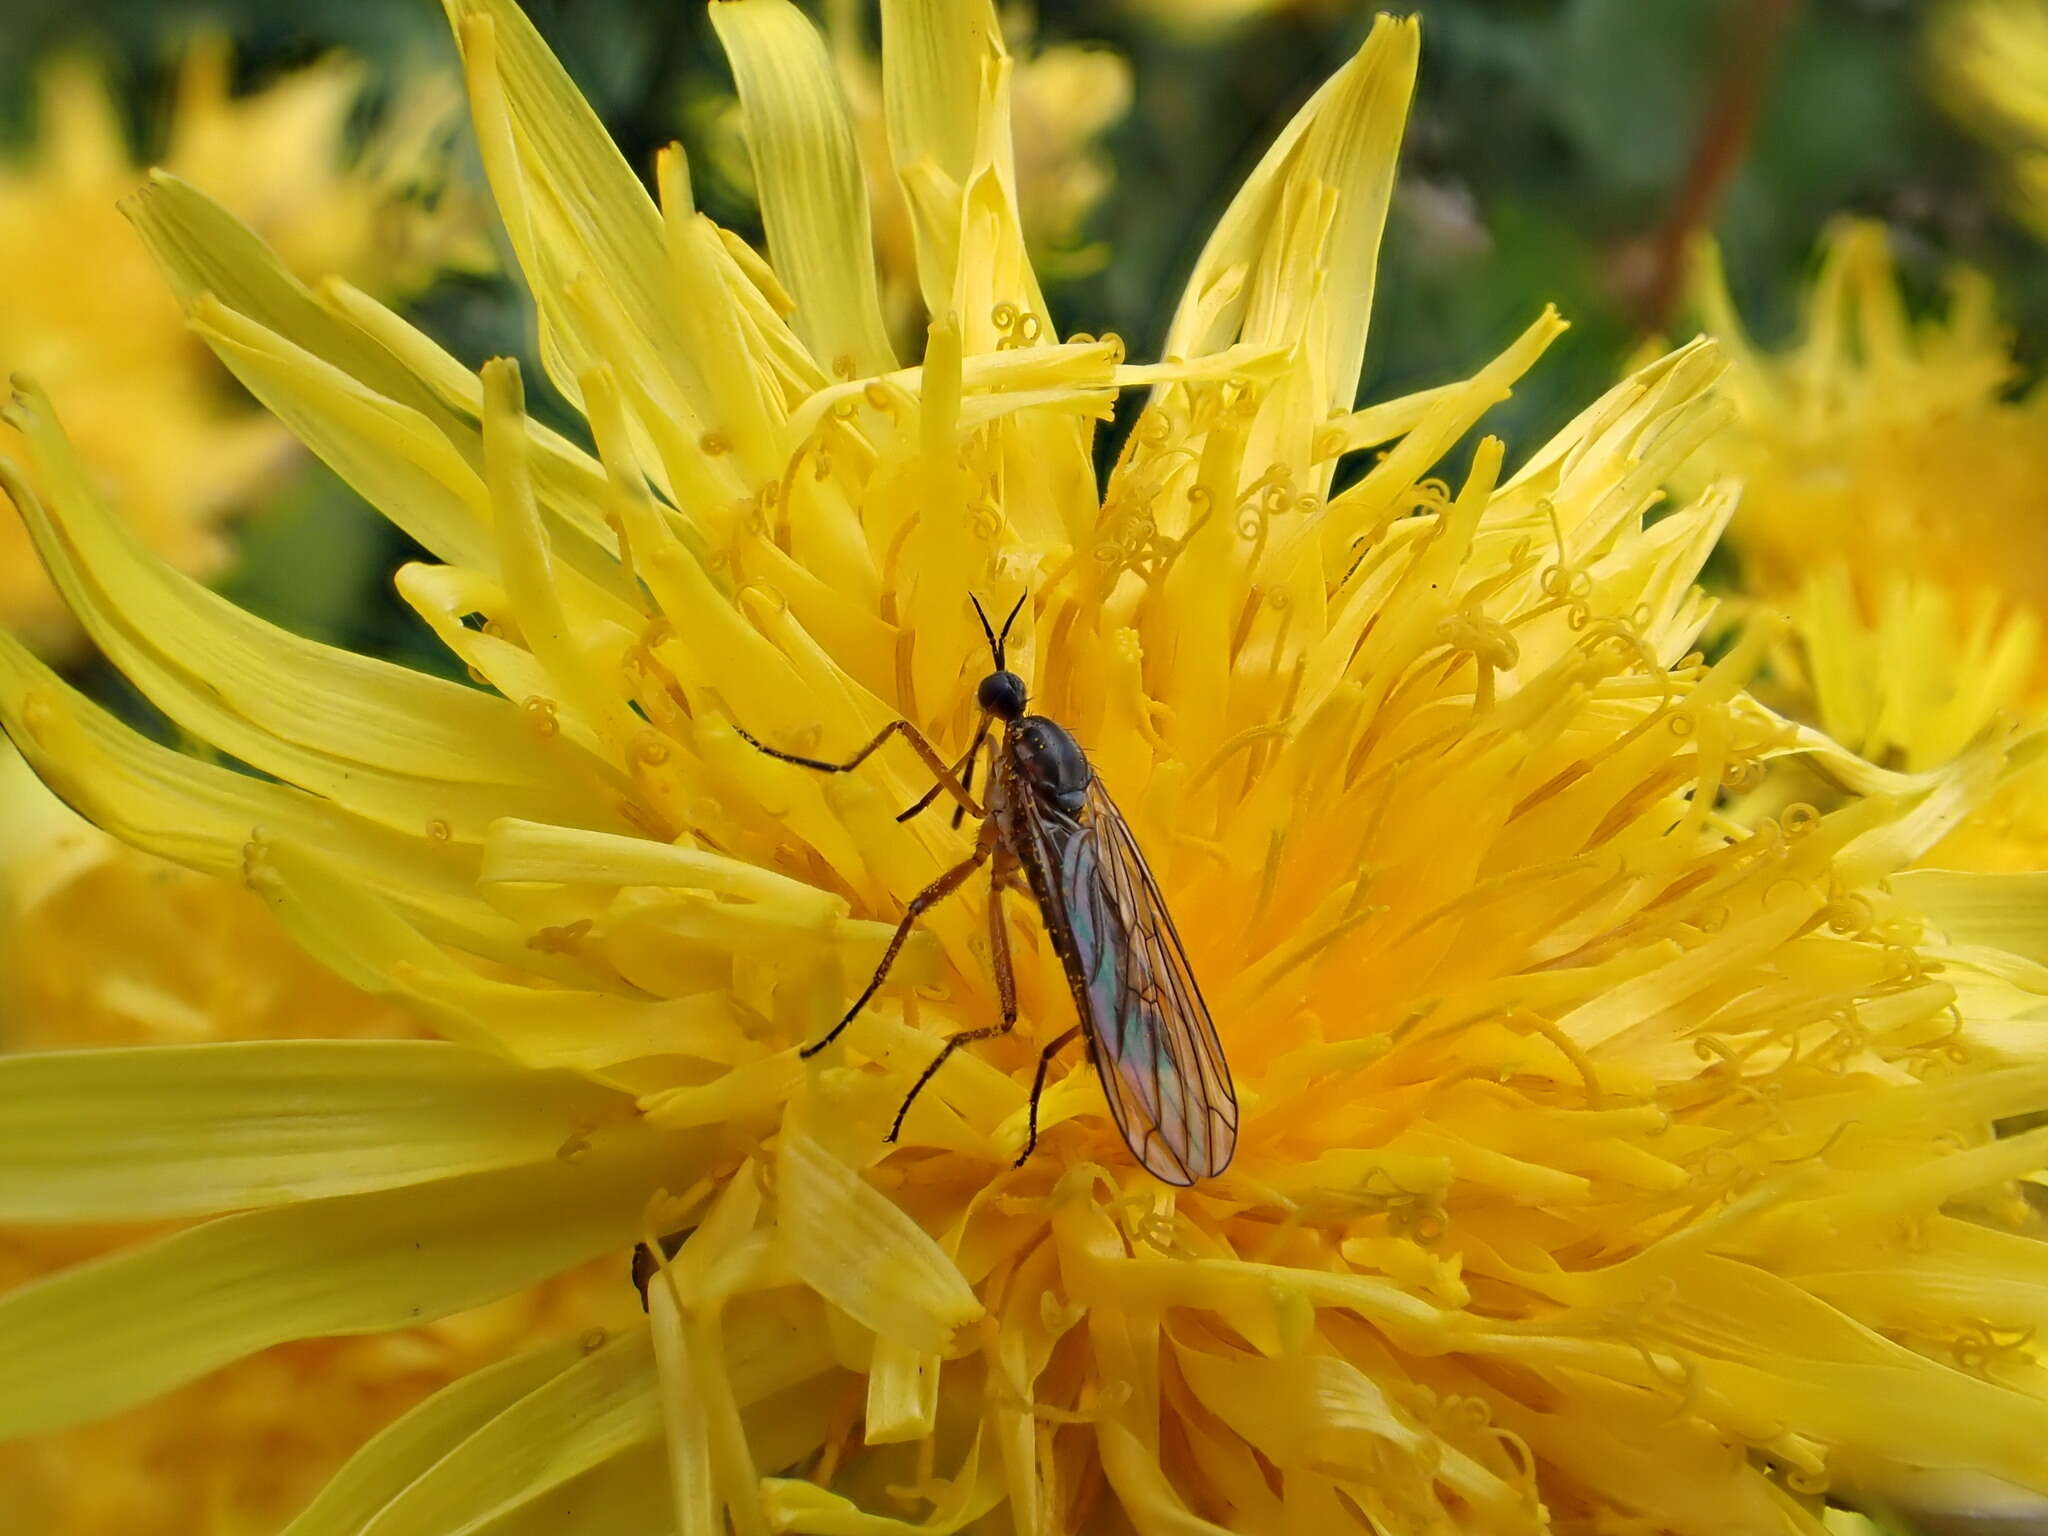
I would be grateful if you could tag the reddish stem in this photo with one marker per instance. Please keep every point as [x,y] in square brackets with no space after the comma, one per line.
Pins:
[1755,35]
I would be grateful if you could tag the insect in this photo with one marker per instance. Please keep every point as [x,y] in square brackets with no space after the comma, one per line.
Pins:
[1051,829]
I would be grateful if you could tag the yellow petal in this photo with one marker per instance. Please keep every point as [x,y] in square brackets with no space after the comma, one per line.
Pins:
[903,1394]
[729,1334]
[2004,911]
[996,293]
[124,1134]
[686,1420]
[1144,1489]
[572,206]
[599,1408]
[377,947]
[793,1505]
[390,1460]
[1953,1265]
[938,58]
[1451,413]
[524,850]
[1957,790]
[743,404]
[387,452]
[531,580]
[1783,1356]
[97,1338]
[77,124]
[1346,140]
[732,1467]
[696,1350]
[201,815]
[416,465]
[814,199]
[203,249]
[627,1492]
[856,1248]
[1382,421]
[570,481]
[1659,1467]
[1321,1410]
[384,735]
[359,384]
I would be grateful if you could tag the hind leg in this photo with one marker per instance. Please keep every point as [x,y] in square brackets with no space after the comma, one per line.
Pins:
[1038,1089]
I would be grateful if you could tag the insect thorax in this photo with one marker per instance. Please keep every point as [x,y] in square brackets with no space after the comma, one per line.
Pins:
[1049,762]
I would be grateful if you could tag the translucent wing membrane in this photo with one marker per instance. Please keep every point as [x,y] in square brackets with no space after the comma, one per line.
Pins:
[1155,1045]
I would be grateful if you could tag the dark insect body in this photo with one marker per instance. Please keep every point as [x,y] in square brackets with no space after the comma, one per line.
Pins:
[1051,828]
[646,1266]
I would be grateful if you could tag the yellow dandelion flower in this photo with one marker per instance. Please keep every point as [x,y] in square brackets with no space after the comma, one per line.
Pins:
[1990,64]
[1892,506]
[81,305]
[1602,1162]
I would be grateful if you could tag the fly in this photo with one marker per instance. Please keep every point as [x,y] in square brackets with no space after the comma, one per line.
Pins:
[1049,828]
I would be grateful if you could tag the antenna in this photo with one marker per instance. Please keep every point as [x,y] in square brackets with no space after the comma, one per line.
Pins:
[1005,637]
[995,646]
[996,642]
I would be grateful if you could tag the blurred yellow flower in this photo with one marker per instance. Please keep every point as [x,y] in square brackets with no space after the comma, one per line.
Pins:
[103,945]
[1990,65]
[1067,96]
[81,306]
[1604,1163]
[1893,505]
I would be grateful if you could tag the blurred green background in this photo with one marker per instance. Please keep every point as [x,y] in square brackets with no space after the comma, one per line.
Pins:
[1558,149]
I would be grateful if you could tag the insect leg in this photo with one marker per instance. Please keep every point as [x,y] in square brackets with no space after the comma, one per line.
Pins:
[960,811]
[1006,992]
[936,892]
[999,937]
[964,769]
[1038,1088]
[941,769]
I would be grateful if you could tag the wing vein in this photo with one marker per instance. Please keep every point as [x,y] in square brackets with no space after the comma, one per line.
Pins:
[1156,1047]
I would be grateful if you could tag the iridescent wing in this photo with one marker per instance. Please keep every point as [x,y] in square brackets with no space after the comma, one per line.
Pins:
[1152,1039]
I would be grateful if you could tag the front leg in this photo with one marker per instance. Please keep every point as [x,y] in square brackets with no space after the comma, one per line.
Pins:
[941,770]
[960,811]
[964,769]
